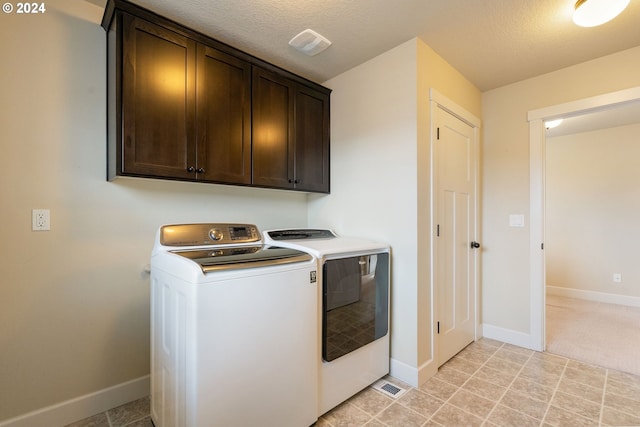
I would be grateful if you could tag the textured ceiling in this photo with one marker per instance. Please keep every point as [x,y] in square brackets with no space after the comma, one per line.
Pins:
[491,42]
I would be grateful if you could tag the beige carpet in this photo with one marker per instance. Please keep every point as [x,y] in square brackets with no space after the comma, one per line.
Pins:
[606,335]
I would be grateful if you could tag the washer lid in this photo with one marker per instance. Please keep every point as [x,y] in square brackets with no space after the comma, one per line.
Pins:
[239,257]
[300,233]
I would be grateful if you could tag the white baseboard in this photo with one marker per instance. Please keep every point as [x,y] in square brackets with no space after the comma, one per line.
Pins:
[64,413]
[403,372]
[426,371]
[594,296]
[508,336]
[410,375]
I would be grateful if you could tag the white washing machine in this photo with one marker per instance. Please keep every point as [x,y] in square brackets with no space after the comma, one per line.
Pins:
[233,329]
[353,306]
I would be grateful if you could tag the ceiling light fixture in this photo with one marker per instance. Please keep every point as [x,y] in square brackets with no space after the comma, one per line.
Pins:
[309,42]
[591,13]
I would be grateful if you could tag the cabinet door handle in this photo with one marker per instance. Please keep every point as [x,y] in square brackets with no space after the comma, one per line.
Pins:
[200,170]
[191,169]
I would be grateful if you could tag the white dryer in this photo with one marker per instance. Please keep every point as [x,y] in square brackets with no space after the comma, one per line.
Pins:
[353,302]
[233,329]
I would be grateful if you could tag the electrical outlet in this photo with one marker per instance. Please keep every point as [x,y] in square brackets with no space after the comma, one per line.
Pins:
[40,220]
[617,277]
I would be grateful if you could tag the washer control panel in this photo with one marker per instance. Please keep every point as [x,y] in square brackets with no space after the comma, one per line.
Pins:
[208,234]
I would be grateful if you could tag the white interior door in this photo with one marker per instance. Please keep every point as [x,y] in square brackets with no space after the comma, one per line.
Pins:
[455,159]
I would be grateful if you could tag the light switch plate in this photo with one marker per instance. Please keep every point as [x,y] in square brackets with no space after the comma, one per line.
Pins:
[516,220]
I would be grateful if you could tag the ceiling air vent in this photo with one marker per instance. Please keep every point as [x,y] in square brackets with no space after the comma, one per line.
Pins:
[309,42]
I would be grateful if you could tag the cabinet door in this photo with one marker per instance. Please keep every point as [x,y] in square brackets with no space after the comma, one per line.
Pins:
[158,101]
[223,117]
[272,130]
[311,140]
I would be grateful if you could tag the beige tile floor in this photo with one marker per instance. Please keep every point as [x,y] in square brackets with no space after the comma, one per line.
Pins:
[488,384]
[132,414]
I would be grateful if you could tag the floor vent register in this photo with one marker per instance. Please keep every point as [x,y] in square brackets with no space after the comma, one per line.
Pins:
[389,389]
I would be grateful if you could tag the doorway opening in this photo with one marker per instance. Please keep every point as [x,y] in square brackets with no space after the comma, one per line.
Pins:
[537,139]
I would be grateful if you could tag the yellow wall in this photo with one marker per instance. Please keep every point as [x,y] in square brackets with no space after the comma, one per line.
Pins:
[592,205]
[373,174]
[74,301]
[433,72]
[74,315]
[506,290]
[381,179]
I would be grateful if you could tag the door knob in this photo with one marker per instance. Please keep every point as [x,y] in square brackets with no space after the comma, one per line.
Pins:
[475,245]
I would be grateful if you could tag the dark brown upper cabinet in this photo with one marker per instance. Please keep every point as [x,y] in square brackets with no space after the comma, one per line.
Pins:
[311,158]
[290,134]
[158,99]
[184,106]
[272,130]
[223,117]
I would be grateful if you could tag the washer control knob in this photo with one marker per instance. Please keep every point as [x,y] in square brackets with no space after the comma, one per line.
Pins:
[215,234]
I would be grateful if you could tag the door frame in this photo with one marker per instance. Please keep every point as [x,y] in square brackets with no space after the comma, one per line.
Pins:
[437,100]
[537,175]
